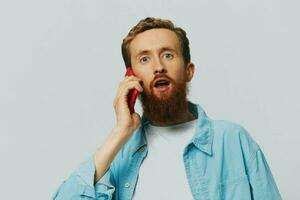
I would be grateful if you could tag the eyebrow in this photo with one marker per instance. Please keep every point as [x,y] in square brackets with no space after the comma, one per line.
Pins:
[160,49]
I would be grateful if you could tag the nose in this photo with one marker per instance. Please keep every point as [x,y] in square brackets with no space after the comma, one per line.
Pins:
[159,67]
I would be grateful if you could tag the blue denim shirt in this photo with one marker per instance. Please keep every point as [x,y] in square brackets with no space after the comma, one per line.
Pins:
[221,161]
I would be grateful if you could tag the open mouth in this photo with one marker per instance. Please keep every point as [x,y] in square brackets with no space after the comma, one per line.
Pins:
[162,85]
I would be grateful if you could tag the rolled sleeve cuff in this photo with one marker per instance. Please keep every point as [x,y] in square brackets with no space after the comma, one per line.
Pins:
[86,171]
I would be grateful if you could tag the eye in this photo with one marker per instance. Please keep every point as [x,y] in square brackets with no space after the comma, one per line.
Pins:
[168,55]
[144,59]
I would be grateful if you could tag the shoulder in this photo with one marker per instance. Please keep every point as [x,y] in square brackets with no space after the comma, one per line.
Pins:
[228,127]
[232,136]
[231,130]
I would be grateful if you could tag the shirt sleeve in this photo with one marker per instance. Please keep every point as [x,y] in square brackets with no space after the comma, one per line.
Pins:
[80,184]
[263,186]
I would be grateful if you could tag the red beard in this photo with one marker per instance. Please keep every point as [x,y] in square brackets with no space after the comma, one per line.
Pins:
[168,107]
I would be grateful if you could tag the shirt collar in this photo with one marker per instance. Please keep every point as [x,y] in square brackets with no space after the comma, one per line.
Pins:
[202,138]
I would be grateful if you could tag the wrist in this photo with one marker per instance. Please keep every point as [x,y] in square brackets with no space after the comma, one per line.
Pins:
[122,133]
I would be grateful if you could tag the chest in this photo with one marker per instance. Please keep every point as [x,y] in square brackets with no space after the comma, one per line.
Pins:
[201,176]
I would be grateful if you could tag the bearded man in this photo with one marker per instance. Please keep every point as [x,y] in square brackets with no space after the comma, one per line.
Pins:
[174,151]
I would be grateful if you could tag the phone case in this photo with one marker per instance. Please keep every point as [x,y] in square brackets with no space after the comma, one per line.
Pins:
[133,93]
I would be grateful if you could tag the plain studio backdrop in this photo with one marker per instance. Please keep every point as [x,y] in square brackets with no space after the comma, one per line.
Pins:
[61,65]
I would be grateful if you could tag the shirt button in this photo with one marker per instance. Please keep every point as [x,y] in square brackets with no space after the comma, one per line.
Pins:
[142,149]
[127,185]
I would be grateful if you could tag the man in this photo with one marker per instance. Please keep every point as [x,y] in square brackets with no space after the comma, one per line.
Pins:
[175,151]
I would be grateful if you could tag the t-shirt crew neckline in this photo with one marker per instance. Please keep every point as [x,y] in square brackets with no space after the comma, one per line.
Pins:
[181,125]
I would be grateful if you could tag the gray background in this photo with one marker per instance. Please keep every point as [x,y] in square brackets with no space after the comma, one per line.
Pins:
[61,65]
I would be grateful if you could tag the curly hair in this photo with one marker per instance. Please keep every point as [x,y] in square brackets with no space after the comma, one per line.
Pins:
[151,23]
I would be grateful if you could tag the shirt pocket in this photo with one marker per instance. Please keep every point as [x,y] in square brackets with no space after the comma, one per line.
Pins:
[237,188]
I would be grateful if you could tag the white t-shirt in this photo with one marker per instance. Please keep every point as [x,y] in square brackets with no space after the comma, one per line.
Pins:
[162,173]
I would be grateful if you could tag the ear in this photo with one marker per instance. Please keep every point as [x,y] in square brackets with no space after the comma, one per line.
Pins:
[190,69]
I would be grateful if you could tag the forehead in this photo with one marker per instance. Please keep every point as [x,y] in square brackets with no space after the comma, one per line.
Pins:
[154,39]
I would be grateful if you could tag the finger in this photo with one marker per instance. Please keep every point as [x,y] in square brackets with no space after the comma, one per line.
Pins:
[138,82]
[130,86]
[130,78]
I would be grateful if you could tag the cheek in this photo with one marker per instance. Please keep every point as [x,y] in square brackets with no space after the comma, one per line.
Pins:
[178,75]
[146,85]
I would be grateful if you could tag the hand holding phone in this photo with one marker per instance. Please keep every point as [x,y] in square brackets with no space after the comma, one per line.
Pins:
[133,93]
